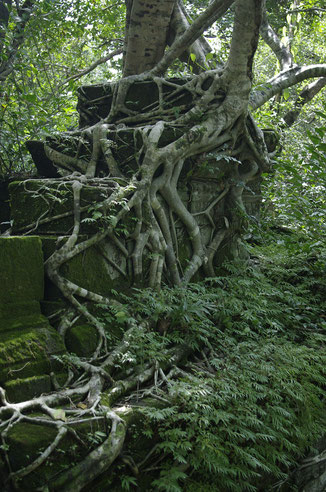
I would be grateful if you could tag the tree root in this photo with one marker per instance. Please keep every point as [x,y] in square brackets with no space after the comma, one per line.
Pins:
[215,120]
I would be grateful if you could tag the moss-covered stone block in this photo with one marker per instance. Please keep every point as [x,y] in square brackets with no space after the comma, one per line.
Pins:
[94,101]
[14,310]
[53,309]
[20,323]
[49,204]
[21,267]
[26,352]
[82,340]
[91,269]
[25,389]
[27,440]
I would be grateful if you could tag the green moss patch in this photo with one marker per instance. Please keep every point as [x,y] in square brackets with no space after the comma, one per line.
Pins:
[27,369]
[21,266]
[26,441]
[89,270]
[14,310]
[28,350]
[82,340]
[26,389]
[21,323]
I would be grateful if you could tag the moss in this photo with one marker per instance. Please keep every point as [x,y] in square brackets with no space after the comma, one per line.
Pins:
[26,441]
[27,207]
[89,270]
[15,310]
[25,369]
[44,199]
[21,266]
[26,389]
[26,352]
[20,323]
[82,340]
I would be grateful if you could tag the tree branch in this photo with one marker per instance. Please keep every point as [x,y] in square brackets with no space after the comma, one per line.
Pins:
[147,34]
[283,80]
[215,10]
[270,37]
[96,462]
[306,95]
[247,21]
[178,26]
[89,69]
[310,9]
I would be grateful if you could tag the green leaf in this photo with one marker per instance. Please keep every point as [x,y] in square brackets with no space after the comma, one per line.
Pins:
[286,94]
[59,414]
[97,215]
[113,220]
[120,314]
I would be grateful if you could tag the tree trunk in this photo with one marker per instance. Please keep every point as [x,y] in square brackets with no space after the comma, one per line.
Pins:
[146,34]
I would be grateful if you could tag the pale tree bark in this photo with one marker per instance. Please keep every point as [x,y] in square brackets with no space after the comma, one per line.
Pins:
[215,10]
[281,51]
[200,48]
[305,96]
[285,79]
[247,21]
[147,29]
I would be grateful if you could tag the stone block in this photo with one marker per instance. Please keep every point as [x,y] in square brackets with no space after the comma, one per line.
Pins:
[26,441]
[94,101]
[25,389]
[92,269]
[21,322]
[26,350]
[15,310]
[21,269]
[47,206]
[82,340]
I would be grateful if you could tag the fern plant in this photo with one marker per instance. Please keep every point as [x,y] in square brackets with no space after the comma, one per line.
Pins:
[250,401]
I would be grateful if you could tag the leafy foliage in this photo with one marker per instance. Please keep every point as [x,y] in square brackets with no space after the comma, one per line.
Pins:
[248,404]
[246,407]
[39,97]
[295,197]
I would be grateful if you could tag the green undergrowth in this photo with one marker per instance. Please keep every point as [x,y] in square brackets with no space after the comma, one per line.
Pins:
[251,401]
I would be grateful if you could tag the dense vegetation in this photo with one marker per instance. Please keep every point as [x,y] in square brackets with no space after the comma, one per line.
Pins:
[249,402]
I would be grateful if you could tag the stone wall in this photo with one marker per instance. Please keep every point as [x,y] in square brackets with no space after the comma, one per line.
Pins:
[27,340]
